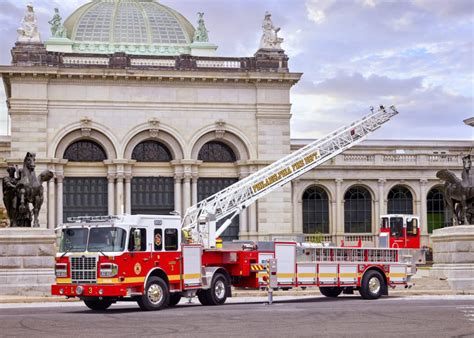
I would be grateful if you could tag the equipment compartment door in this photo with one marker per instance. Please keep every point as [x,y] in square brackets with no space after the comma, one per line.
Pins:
[327,274]
[398,274]
[285,253]
[348,274]
[262,259]
[307,274]
[192,262]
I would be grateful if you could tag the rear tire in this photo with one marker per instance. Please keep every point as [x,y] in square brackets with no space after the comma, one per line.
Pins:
[372,285]
[155,295]
[217,294]
[174,299]
[330,291]
[98,304]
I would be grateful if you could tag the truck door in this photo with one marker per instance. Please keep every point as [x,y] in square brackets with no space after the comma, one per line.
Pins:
[192,262]
[285,253]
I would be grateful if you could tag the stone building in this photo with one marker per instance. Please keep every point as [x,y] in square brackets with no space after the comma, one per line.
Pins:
[135,114]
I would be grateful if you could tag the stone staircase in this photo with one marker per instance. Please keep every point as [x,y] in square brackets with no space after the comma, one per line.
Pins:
[426,283]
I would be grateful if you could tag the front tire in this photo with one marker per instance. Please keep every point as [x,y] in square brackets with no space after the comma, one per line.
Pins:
[372,285]
[155,296]
[217,294]
[98,304]
[330,291]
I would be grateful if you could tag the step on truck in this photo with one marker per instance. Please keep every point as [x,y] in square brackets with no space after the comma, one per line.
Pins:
[156,260]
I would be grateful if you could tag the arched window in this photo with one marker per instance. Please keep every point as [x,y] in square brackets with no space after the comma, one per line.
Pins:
[151,151]
[357,210]
[85,151]
[215,151]
[400,201]
[315,211]
[438,215]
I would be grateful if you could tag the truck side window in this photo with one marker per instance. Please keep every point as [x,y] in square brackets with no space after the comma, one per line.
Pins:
[171,239]
[131,241]
[412,227]
[396,227]
[158,240]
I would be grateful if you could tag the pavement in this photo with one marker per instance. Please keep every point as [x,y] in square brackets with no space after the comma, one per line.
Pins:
[288,316]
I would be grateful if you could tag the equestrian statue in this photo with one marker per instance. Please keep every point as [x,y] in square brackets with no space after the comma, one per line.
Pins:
[22,188]
[459,193]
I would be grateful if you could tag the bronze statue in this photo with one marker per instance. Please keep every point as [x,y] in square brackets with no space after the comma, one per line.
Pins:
[22,188]
[459,194]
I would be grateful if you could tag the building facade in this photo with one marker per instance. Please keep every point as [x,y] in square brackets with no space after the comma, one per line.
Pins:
[152,122]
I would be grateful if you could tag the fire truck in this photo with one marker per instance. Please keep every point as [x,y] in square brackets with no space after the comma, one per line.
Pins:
[156,260]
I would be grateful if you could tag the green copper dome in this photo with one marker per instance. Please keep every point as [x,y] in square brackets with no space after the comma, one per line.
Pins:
[132,26]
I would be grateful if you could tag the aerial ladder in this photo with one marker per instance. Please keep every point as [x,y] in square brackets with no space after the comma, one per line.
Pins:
[199,221]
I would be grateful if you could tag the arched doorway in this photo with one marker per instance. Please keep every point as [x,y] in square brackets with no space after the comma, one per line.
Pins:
[357,210]
[400,201]
[437,214]
[217,152]
[85,196]
[150,194]
[315,211]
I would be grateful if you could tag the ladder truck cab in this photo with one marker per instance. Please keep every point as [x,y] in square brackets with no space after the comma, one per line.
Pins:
[400,231]
[156,259]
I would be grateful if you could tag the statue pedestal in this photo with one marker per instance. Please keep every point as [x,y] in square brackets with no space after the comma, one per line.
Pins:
[453,257]
[27,261]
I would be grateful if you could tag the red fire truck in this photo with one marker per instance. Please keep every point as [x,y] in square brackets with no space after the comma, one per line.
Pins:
[157,259]
[400,231]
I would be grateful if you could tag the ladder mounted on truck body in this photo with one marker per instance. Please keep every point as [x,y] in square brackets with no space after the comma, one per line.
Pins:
[199,221]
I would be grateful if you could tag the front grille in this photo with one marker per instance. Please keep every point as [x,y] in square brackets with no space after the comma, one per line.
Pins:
[84,270]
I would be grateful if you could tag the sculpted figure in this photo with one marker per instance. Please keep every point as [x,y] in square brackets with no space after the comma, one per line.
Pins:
[28,32]
[270,39]
[9,198]
[200,35]
[57,28]
[459,193]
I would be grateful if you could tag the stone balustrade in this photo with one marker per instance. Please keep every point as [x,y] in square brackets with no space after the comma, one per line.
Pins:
[453,160]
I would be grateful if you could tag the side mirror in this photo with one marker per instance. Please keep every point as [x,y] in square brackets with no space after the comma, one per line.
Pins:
[137,240]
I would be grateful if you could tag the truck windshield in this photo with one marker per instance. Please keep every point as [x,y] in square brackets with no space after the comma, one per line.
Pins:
[396,227]
[74,240]
[107,239]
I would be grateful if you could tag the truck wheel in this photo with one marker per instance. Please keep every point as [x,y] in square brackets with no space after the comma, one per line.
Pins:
[330,291]
[98,304]
[174,299]
[372,285]
[216,295]
[156,295]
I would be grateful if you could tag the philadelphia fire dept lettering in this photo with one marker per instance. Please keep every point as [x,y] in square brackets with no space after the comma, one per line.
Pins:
[285,172]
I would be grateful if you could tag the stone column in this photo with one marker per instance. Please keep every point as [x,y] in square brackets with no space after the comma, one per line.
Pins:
[59,197]
[186,192]
[110,194]
[119,206]
[423,212]
[128,194]
[194,189]
[253,220]
[339,210]
[177,194]
[51,203]
[381,204]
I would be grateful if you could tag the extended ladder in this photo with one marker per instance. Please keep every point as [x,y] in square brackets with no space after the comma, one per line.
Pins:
[233,199]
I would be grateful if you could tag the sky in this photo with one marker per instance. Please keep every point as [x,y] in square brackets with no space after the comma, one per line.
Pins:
[416,55]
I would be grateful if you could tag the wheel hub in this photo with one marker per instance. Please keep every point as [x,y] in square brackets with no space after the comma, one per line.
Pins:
[155,293]
[374,285]
[219,289]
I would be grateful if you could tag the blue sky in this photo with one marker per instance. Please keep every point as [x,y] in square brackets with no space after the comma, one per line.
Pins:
[415,54]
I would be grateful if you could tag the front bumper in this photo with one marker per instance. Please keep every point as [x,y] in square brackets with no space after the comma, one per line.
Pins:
[88,290]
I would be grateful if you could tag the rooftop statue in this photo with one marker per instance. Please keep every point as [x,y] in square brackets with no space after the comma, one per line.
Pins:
[459,193]
[200,35]
[270,39]
[28,32]
[20,189]
[57,28]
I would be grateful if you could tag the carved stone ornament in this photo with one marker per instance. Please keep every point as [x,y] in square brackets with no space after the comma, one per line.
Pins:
[86,128]
[220,128]
[154,130]
[28,32]
[270,39]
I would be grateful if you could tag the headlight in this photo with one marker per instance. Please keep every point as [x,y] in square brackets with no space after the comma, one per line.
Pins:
[108,269]
[60,269]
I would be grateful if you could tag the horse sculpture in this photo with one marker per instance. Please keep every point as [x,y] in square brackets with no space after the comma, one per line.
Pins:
[458,196]
[26,189]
